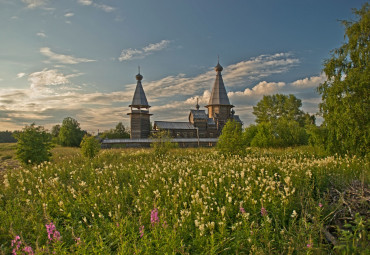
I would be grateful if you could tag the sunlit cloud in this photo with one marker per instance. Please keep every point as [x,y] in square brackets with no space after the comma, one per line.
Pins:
[47,77]
[128,54]
[69,14]
[262,88]
[310,82]
[41,34]
[65,59]
[20,75]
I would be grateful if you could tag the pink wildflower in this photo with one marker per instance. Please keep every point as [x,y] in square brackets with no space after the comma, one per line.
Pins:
[242,210]
[29,250]
[154,216]
[320,205]
[263,211]
[16,243]
[77,240]
[53,234]
[309,245]
[141,231]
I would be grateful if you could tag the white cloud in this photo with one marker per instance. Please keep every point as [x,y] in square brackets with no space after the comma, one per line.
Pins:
[34,3]
[85,2]
[103,7]
[65,59]
[258,68]
[69,14]
[156,46]
[262,88]
[310,82]
[20,75]
[41,34]
[128,54]
[47,77]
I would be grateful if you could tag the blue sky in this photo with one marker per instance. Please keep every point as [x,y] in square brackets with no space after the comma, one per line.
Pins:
[79,58]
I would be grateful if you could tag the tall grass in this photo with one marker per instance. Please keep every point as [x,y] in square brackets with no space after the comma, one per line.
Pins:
[191,201]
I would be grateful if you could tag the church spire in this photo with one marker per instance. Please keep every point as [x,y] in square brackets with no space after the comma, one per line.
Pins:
[139,100]
[219,95]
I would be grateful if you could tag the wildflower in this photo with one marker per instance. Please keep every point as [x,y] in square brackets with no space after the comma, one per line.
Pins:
[53,234]
[29,250]
[77,240]
[294,214]
[141,231]
[320,205]
[242,210]
[263,211]
[154,216]
[309,245]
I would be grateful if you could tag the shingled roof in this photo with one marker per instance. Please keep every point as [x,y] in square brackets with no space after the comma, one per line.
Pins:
[173,125]
[219,95]
[139,99]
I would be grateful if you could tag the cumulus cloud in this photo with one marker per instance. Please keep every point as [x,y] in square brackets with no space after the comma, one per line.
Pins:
[65,59]
[262,88]
[34,3]
[310,82]
[47,77]
[41,34]
[20,75]
[128,54]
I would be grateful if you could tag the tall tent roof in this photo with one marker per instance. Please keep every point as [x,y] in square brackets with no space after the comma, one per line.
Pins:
[139,99]
[219,95]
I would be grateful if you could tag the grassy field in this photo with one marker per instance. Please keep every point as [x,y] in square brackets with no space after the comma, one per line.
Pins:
[191,201]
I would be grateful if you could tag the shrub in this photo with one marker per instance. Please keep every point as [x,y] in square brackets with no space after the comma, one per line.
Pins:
[162,143]
[231,139]
[34,144]
[90,147]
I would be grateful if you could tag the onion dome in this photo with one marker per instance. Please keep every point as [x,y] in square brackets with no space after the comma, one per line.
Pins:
[139,77]
[218,68]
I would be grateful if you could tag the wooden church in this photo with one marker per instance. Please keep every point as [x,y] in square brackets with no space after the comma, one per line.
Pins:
[201,124]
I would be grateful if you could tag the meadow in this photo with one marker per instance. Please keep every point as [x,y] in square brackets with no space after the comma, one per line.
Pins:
[190,201]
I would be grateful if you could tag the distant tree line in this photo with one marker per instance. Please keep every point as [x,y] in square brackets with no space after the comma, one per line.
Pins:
[7,137]
[34,143]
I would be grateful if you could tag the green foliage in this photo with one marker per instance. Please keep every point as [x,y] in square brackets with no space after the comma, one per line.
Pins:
[354,239]
[90,146]
[231,139]
[281,123]
[271,108]
[264,137]
[70,133]
[345,95]
[281,133]
[33,145]
[7,137]
[249,133]
[162,143]
[119,132]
